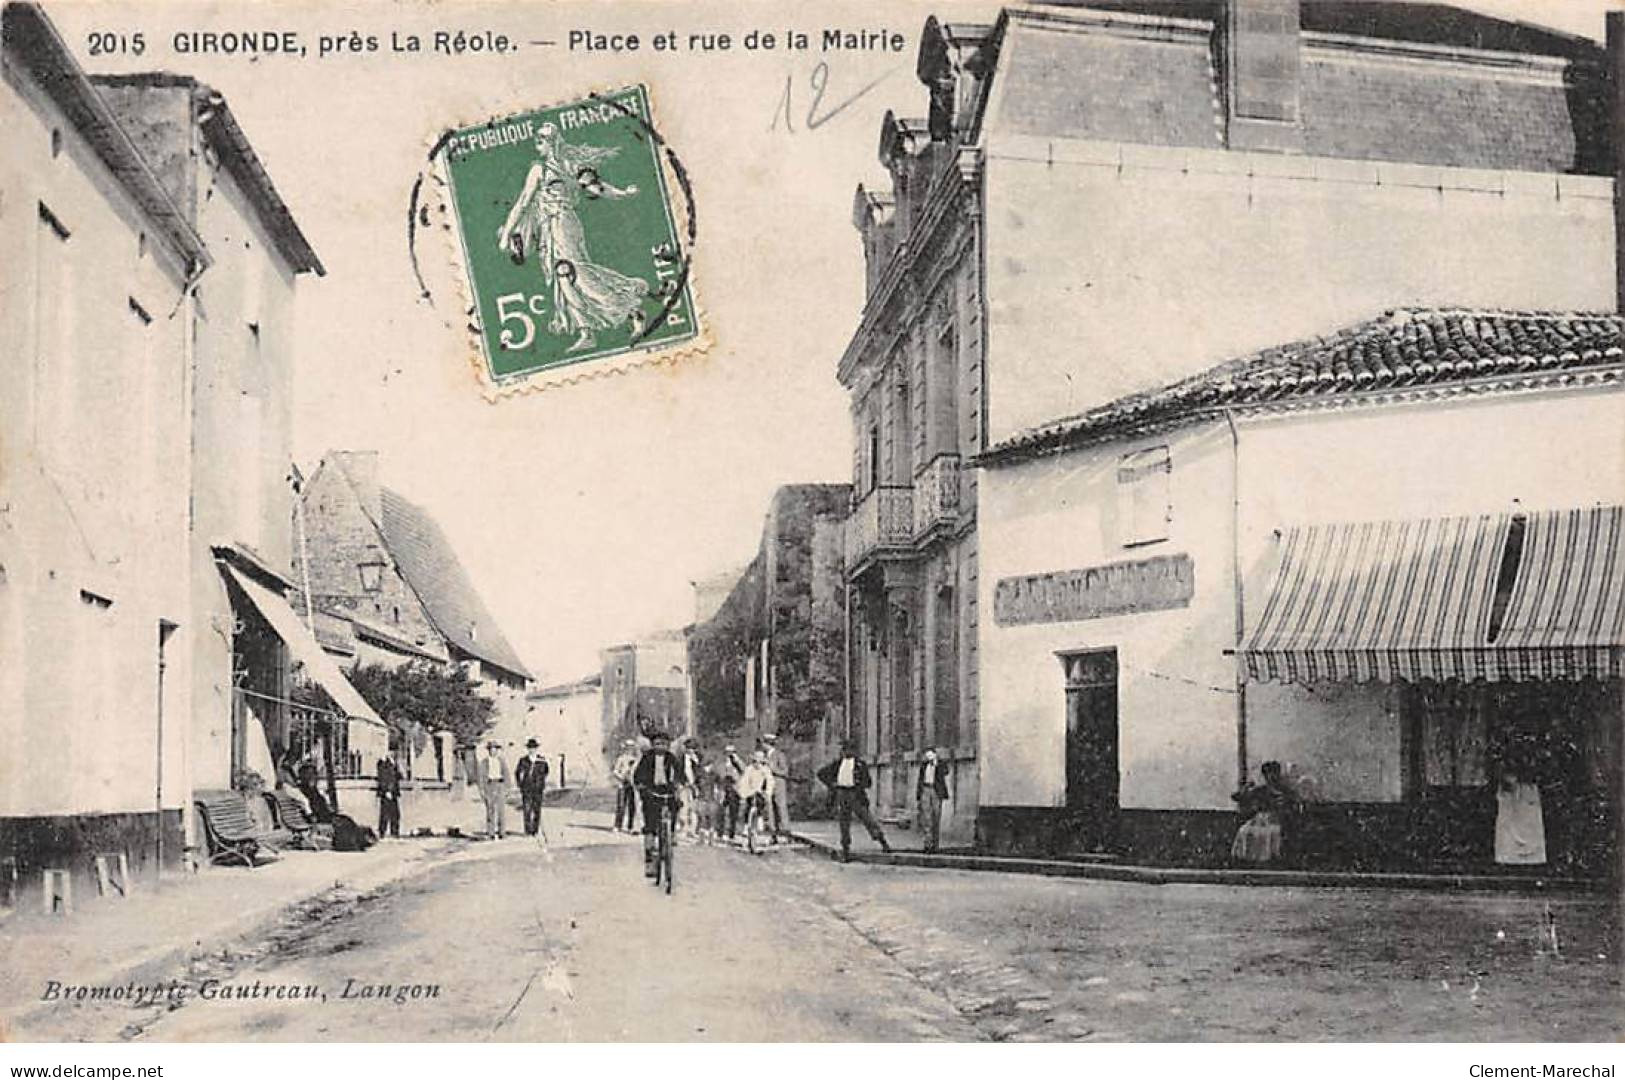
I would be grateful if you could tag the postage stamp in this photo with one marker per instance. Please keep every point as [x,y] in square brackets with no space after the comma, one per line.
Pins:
[568,228]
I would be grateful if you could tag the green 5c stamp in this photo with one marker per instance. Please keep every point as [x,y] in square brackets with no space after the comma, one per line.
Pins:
[568,235]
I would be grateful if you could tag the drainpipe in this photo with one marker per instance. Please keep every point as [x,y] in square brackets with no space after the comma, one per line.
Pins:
[1241,609]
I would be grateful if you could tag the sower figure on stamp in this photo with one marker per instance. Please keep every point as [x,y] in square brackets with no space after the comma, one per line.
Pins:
[779,763]
[930,792]
[389,797]
[626,807]
[494,789]
[531,776]
[848,777]
[587,296]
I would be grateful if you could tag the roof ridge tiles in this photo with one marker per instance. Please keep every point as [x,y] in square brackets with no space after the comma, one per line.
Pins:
[1399,348]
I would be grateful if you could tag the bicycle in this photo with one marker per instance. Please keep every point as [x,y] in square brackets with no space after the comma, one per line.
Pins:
[753,820]
[665,842]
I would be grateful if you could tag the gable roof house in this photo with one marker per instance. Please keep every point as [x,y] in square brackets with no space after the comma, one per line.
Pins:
[385,583]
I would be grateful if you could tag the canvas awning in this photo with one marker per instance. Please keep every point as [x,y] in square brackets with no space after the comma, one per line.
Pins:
[1499,597]
[319,666]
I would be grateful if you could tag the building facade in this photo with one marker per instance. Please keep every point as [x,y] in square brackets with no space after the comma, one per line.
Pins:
[96,619]
[1085,180]
[644,686]
[1294,558]
[771,656]
[387,588]
[568,721]
[242,411]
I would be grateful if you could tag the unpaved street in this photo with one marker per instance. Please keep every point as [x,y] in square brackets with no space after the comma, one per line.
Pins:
[571,944]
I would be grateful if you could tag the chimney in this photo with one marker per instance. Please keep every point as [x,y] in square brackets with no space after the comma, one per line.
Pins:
[360,467]
[1261,74]
[1616,141]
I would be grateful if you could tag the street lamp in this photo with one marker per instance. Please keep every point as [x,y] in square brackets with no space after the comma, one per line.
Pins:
[372,572]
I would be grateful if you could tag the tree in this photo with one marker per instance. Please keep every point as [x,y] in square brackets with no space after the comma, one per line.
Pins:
[419,697]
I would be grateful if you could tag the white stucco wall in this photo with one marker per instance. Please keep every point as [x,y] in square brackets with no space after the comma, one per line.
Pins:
[1176,714]
[572,724]
[1113,268]
[93,481]
[243,434]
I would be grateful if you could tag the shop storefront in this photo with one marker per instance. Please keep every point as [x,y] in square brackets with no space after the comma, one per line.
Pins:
[1494,643]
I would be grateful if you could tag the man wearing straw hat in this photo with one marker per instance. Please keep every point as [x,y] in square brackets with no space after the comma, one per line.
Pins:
[493,770]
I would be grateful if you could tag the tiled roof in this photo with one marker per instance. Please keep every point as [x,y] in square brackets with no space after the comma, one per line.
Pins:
[1399,350]
[425,558]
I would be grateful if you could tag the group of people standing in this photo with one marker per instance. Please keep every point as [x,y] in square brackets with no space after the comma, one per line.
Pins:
[712,794]
[847,778]
[492,774]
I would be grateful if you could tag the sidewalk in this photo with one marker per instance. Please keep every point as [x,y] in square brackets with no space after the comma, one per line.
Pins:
[142,939]
[824,836]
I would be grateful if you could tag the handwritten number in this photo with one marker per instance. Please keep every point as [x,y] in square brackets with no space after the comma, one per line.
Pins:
[819,84]
[783,109]
[820,81]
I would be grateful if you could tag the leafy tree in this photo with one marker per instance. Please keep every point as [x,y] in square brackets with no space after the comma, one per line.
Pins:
[418,698]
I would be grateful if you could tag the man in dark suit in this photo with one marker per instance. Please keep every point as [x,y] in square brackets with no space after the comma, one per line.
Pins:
[389,797]
[656,778]
[930,792]
[848,777]
[531,776]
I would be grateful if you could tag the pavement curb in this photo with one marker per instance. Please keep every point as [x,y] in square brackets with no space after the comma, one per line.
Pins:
[1178,875]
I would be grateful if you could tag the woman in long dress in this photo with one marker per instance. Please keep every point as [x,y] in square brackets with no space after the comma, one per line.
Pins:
[1520,826]
[587,296]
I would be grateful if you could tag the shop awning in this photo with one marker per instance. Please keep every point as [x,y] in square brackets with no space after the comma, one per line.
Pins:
[1499,597]
[319,666]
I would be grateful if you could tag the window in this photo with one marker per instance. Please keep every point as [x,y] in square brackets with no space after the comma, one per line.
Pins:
[874,458]
[1144,508]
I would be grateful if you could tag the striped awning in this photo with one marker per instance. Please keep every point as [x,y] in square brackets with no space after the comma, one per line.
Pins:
[1499,597]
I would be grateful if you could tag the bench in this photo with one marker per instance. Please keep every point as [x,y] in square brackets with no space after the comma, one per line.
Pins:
[290,816]
[232,834]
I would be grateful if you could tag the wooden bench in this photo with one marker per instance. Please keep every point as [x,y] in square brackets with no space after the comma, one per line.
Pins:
[291,817]
[233,836]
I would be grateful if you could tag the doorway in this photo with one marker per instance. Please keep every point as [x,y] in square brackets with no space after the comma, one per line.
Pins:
[1091,746]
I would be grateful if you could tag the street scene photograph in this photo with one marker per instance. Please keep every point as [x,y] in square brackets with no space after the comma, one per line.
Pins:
[916,522]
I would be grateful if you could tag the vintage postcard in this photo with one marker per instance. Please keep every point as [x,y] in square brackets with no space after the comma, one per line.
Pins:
[905,521]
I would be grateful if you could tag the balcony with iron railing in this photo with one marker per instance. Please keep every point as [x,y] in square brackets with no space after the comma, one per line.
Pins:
[882,523]
[936,495]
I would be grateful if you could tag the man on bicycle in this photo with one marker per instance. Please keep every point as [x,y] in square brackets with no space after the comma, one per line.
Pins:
[756,788]
[656,778]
